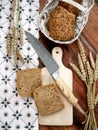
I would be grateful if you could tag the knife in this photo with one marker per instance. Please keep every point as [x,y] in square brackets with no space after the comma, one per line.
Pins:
[53,68]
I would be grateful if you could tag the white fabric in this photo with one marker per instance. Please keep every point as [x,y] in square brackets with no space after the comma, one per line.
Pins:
[17,113]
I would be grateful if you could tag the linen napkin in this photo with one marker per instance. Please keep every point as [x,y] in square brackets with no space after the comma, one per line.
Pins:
[17,113]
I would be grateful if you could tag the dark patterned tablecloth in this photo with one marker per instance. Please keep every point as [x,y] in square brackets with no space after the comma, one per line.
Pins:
[17,113]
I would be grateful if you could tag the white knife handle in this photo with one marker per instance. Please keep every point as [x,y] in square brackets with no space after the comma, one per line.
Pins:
[66,91]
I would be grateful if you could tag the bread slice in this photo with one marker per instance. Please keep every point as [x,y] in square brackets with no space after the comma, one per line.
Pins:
[47,99]
[27,80]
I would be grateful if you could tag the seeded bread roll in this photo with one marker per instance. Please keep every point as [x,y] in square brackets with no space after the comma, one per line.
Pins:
[61,24]
[47,99]
[27,80]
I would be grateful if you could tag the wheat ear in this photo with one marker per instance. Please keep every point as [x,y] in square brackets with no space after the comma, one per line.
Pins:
[81,66]
[96,67]
[88,99]
[92,60]
[9,44]
[77,71]
[15,44]
[90,74]
[21,35]
[82,51]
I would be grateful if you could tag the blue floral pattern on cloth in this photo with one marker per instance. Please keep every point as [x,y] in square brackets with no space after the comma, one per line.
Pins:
[17,113]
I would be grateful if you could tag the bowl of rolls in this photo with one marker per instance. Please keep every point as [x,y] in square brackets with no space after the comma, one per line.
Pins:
[62,21]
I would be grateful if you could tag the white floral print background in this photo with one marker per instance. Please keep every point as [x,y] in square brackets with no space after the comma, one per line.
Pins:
[17,113]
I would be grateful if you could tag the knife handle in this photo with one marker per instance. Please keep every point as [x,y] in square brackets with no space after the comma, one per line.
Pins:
[69,95]
[66,91]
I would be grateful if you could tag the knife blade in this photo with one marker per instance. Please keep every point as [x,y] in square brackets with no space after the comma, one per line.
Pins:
[53,67]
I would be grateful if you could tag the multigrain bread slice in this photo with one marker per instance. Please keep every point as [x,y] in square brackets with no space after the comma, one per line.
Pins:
[27,81]
[47,99]
[61,24]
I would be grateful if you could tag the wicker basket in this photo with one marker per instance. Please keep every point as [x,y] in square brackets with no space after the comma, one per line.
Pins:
[81,20]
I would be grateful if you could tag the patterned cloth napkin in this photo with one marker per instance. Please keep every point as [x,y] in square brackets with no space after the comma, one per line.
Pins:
[17,113]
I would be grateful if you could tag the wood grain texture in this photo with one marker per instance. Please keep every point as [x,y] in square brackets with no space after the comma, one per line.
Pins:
[89,37]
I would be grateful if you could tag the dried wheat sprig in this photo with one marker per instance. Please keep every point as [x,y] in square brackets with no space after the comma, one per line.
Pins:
[15,44]
[9,44]
[81,66]
[15,51]
[82,51]
[92,60]
[77,71]
[96,67]
[9,35]
[90,74]
[21,35]
[91,120]
[13,47]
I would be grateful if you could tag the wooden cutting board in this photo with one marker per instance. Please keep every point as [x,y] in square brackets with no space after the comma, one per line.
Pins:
[63,117]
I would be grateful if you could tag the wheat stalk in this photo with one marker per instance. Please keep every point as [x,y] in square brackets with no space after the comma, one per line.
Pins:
[21,35]
[96,67]
[81,66]
[77,71]
[92,60]
[91,72]
[12,36]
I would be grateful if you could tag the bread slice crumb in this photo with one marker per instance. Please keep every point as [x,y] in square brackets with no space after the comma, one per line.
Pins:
[47,99]
[27,81]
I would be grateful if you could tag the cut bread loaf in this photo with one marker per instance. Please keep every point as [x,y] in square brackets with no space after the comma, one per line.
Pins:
[47,99]
[27,80]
